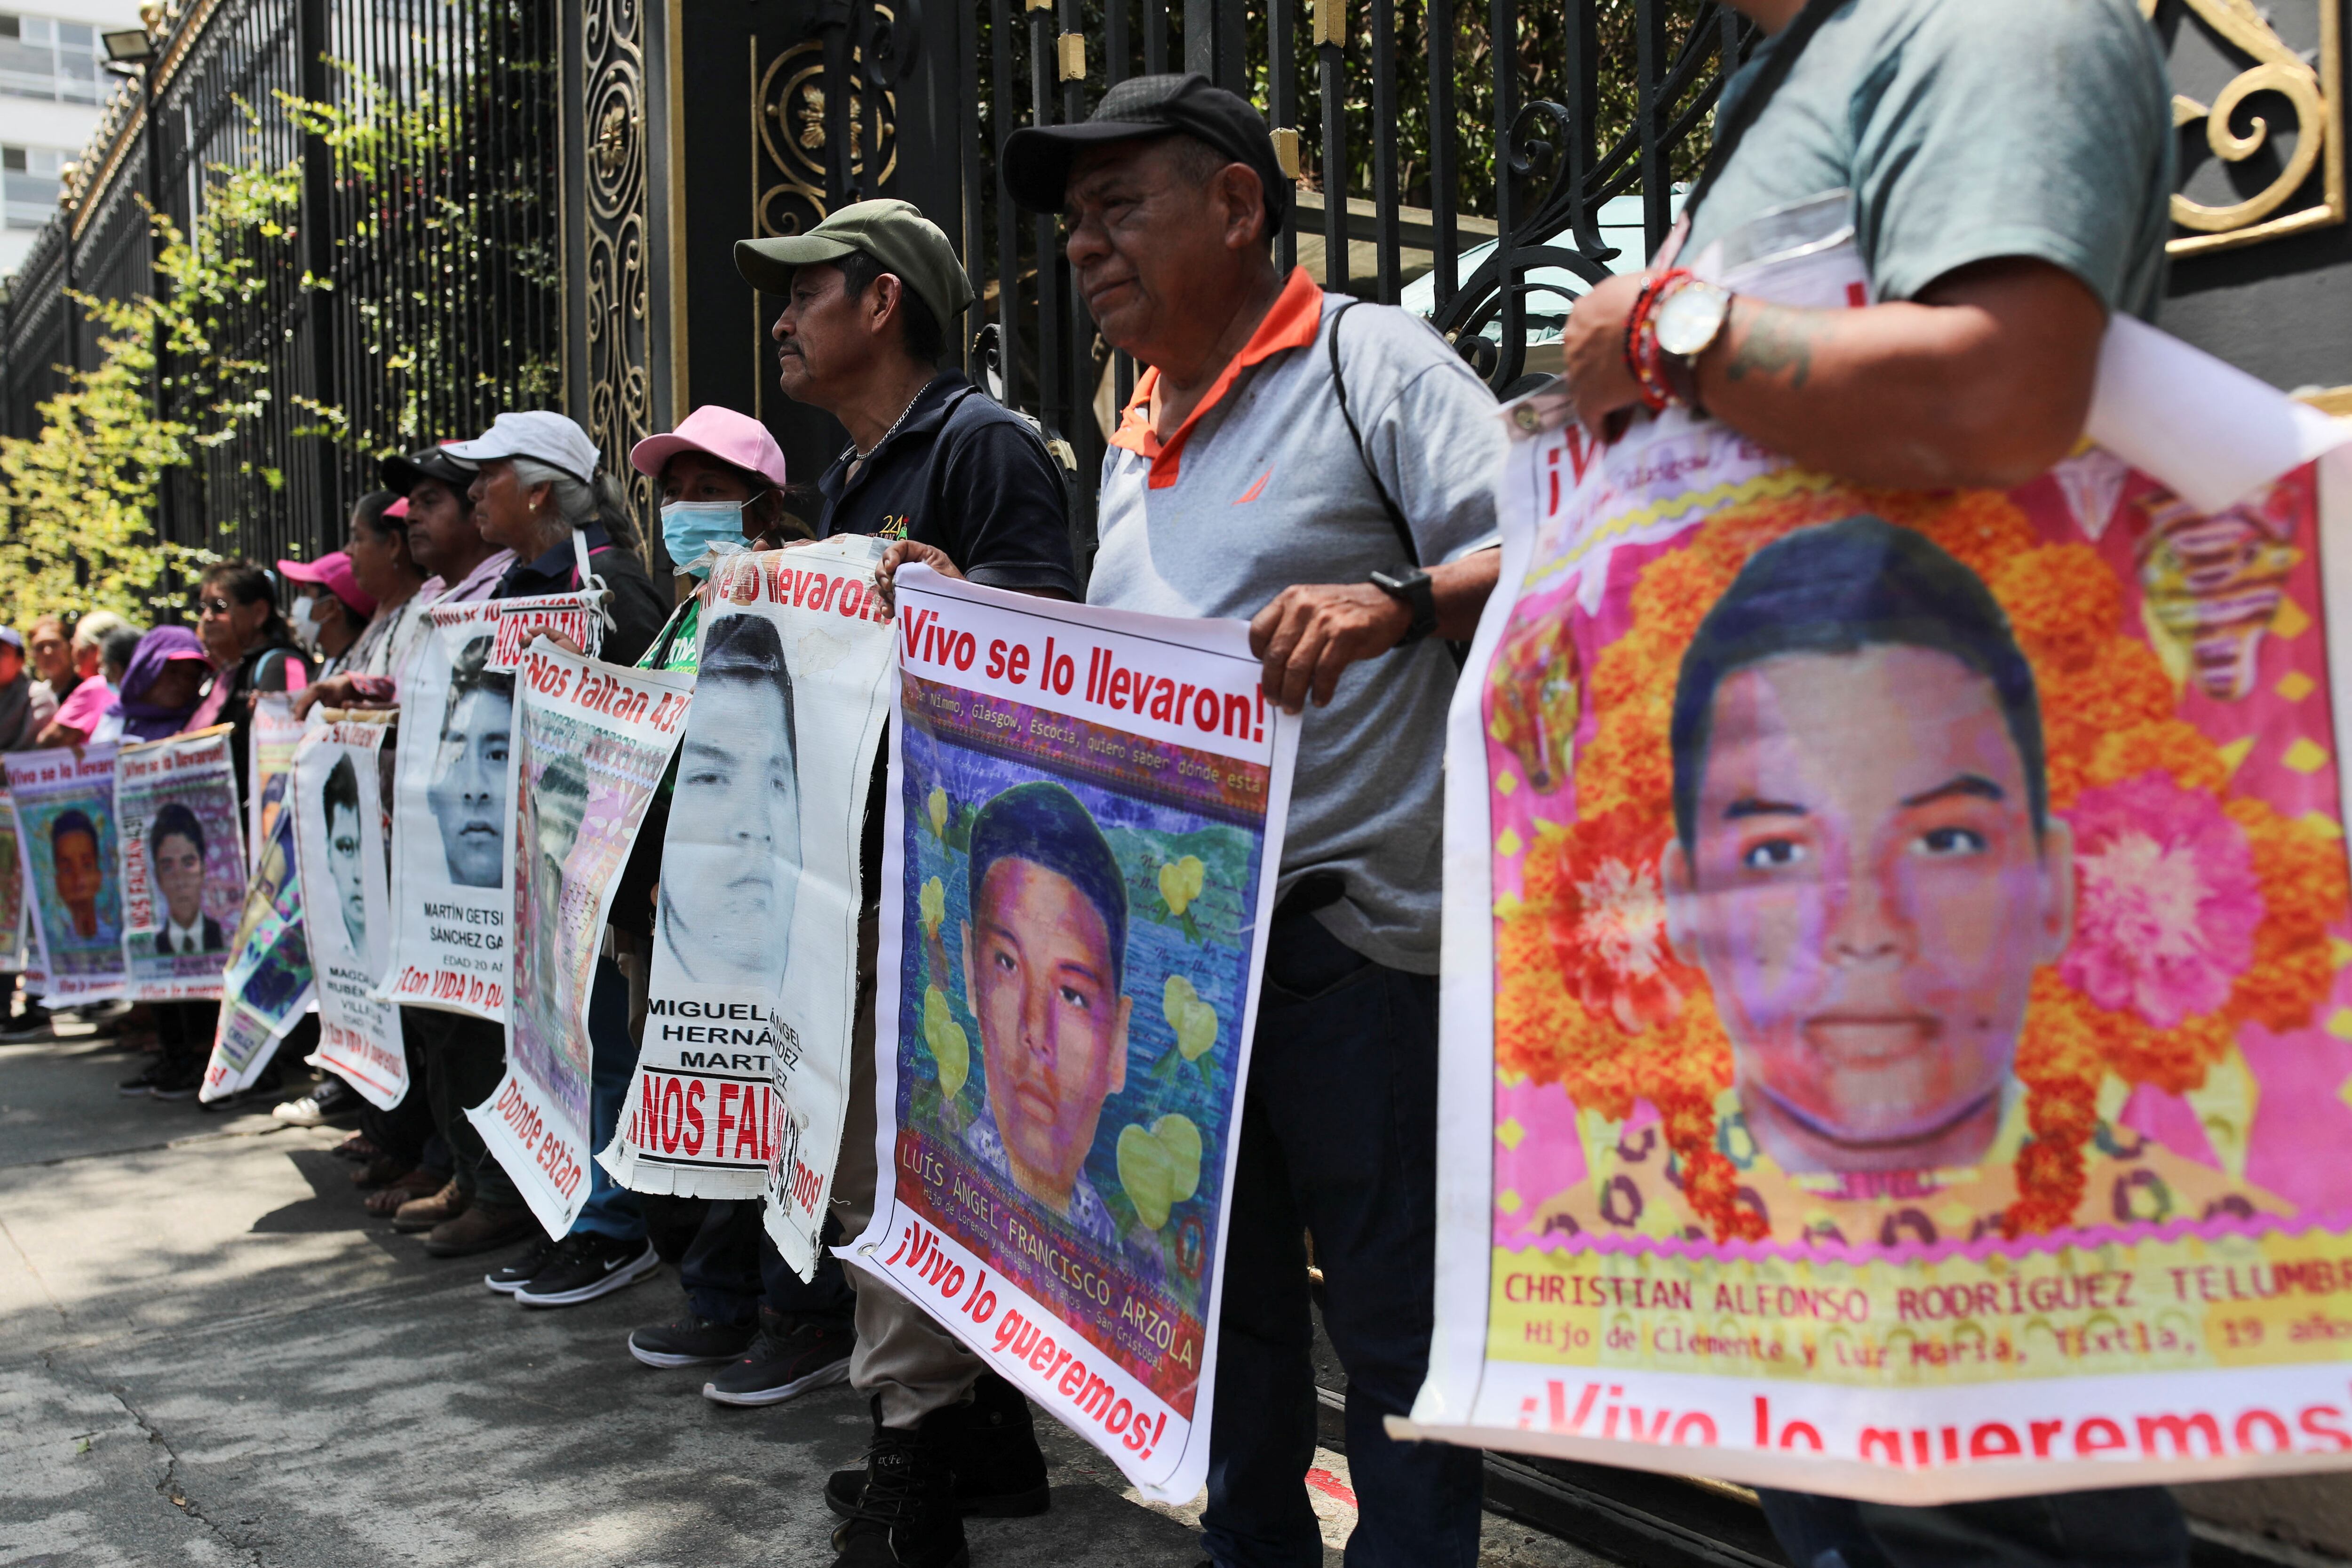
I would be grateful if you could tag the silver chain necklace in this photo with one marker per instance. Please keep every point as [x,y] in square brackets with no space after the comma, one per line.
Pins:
[869,451]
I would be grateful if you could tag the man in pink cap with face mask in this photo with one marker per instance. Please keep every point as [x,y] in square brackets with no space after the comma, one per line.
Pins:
[329,610]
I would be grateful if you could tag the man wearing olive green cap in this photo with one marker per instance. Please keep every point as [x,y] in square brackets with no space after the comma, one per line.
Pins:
[966,487]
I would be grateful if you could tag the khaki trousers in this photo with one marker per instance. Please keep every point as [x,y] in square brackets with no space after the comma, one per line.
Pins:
[915,1365]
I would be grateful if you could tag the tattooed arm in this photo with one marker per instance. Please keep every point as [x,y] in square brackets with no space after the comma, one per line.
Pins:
[1984,379]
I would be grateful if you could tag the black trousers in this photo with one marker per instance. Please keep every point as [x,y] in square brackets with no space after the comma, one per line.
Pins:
[463,1060]
[404,1132]
[730,1266]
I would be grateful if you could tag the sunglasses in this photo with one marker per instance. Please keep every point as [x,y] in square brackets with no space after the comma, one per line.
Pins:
[214,606]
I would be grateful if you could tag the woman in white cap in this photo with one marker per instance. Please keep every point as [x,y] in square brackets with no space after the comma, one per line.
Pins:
[535,487]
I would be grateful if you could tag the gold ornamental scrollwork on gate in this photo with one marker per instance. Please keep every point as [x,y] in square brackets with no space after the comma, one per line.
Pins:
[788,128]
[618,255]
[2316,97]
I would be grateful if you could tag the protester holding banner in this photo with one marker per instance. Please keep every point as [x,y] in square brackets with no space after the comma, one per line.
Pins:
[385,570]
[533,491]
[250,645]
[870,296]
[771,1334]
[2001,223]
[330,609]
[1171,192]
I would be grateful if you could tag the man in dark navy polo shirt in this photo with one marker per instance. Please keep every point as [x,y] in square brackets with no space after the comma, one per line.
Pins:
[963,483]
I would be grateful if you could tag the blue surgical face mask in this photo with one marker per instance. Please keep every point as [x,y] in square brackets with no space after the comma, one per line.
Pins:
[691,527]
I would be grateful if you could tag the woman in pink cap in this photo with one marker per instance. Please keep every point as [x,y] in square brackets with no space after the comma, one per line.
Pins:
[722,482]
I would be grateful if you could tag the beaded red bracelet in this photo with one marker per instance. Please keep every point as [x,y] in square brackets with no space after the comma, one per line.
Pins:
[1643,360]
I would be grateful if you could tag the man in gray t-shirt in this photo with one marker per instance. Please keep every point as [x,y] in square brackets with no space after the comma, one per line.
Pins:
[1235,487]
[2010,163]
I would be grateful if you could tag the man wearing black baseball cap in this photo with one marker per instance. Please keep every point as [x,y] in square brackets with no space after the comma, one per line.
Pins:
[1237,486]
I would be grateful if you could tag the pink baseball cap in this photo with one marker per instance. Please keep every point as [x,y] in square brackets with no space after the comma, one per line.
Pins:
[397,509]
[335,573]
[733,439]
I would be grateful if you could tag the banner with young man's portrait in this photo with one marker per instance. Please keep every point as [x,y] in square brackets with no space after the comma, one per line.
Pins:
[269,766]
[64,805]
[1896,956]
[268,985]
[184,869]
[14,949]
[751,996]
[591,744]
[339,846]
[452,820]
[1079,859]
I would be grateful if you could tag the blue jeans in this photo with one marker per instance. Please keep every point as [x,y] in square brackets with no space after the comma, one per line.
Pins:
[612,1209]
[2130,1526]
[1340,1138]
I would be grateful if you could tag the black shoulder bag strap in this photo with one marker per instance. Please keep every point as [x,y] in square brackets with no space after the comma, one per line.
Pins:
[1777,63]
[1355,433]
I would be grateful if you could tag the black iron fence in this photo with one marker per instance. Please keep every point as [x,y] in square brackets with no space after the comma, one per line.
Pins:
[418,292]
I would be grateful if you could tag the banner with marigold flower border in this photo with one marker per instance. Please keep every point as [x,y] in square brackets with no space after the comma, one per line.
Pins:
[1895,1018]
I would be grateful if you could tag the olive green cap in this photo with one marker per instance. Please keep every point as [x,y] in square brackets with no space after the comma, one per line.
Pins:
[894,233]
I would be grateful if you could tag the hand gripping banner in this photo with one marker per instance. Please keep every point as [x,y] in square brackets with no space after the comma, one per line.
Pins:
[1895,1013]
[340,843]
[184,870]
[267,987]
[751,1001]
[591,744]
[64,802]
[1084,821]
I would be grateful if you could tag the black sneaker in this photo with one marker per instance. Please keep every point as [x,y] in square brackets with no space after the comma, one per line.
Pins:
[170,1084]
[139,1088]
[992,1449]
[505,1281]
[692,1342]
[586,1265]
[789,1356]
[906,1515]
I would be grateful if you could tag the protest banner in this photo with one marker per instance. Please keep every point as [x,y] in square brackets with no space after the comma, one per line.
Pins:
[1085,822]
[1894,1008]
[340,848]
[452,869]
[593,741]
[64,804]
[269,763]
[751,994]
[268,987]
[15,949]
[184,870]
[571,614]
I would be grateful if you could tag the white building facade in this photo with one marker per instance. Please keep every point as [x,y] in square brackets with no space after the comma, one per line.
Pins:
[53,82]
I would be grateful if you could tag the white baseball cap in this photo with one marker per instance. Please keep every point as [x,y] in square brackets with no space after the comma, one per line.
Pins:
[537,433]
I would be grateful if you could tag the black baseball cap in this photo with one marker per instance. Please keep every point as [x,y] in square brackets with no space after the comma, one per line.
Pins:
[402,475]
[1037,158]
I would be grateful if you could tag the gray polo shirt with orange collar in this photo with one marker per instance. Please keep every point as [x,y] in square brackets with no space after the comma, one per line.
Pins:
[1262,488]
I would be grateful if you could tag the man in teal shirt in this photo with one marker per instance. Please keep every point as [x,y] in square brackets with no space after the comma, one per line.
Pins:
[2009,169]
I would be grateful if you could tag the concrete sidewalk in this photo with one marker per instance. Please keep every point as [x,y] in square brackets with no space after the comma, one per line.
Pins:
[209,1355]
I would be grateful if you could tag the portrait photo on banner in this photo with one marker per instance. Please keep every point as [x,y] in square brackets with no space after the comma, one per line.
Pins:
[65,831]
[185,871]
[1076,970]
[453,828]
[1877,873]
[339,843]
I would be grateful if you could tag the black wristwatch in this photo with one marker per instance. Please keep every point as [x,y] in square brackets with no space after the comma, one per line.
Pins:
[1412,585]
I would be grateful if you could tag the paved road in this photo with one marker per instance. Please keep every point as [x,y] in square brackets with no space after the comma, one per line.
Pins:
[209,1355]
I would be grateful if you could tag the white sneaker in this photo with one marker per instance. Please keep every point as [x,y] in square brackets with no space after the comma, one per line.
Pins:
[304,1112]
